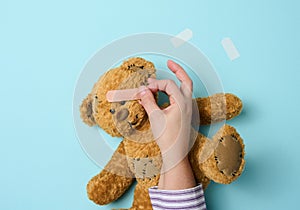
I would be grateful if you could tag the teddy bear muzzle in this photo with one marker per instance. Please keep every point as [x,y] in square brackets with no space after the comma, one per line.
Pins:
[122,114]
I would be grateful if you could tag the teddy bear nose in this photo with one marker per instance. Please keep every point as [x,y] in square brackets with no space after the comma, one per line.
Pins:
[122,114]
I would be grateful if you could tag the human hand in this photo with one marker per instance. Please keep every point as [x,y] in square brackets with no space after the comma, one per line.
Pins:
[170,126]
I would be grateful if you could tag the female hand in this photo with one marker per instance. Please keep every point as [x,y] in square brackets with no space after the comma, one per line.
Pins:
[171,127]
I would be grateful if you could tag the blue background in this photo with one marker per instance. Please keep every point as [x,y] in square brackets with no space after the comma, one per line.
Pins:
[44,45]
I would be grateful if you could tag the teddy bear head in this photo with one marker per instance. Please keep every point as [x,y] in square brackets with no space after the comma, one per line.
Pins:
[118,118]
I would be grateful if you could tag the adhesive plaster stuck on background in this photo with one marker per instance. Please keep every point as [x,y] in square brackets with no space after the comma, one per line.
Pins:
[230,49]
[182,37]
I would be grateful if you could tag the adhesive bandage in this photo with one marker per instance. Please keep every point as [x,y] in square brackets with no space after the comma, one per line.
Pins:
[230,49]
[122,95]
[182,37]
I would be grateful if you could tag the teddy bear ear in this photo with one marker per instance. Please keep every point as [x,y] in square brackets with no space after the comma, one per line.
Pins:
[86,111]
[137,63]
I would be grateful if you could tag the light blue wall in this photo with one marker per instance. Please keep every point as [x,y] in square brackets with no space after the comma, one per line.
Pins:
[44,45]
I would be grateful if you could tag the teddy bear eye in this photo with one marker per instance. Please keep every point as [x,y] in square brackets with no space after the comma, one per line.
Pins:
[112,111]
[122,102]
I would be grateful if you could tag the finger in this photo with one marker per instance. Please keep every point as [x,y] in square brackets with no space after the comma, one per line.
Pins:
[148,101]
[167,86]
[187,83]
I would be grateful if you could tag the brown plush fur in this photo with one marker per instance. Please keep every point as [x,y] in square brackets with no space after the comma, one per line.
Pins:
[138,156]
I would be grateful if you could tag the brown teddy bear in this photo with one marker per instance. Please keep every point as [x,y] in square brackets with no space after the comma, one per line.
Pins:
[138,157]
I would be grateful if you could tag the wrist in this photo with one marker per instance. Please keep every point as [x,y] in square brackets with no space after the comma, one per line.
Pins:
[181,171]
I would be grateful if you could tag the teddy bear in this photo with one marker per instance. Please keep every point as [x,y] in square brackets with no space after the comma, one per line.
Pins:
[138,157]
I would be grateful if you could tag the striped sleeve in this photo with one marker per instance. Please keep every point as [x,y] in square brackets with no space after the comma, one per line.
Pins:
[191,199]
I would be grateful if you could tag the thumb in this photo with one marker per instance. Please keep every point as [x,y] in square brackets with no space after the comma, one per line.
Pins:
[147,100]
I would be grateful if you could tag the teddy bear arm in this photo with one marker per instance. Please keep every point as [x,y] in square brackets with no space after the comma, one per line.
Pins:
[218,107]
[112,181]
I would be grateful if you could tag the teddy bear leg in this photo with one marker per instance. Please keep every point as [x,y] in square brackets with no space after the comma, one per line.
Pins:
[194,155]
[226,160]
[141,198]
[113,180]
[218,107]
